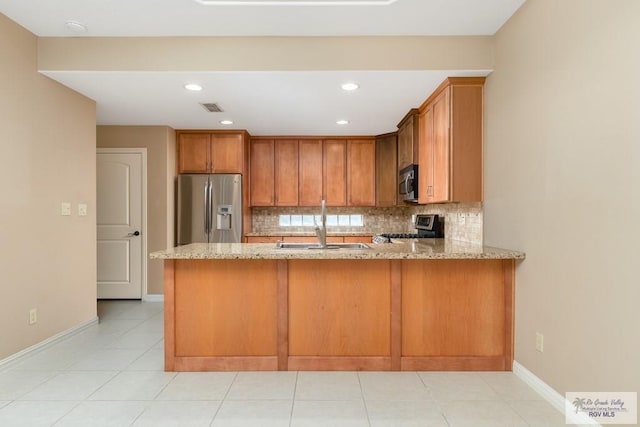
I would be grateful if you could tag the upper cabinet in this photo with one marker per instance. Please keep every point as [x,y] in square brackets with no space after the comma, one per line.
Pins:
[361,172]
[286,172]
[310,169]
[211,152]
[262,172]
[274,172]
[301,172]
[386,173]
[408,142]
[335,172]
[450,137]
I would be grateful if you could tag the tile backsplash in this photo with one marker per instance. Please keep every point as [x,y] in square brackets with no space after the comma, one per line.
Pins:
[463,221]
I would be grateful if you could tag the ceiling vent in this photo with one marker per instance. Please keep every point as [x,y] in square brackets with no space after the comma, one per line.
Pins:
[212,107]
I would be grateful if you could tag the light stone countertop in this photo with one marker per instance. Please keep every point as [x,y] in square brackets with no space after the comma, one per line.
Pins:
[399,249]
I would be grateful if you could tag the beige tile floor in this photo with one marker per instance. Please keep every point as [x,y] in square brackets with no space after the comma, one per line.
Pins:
[111,374]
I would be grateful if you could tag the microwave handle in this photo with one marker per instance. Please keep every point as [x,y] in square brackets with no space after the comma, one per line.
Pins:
[403,186]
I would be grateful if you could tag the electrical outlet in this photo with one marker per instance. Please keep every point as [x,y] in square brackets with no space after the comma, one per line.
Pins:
[462,218]
[82,209]
[539,342]
[33,316]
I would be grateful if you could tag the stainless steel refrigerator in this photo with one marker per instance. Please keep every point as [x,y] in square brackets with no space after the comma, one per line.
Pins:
[209,208]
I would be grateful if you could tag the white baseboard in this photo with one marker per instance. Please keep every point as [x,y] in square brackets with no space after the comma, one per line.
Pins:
[153,298]
[29,351]
[550,395]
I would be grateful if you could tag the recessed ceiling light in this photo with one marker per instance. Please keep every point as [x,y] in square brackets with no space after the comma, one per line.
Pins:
[297,2]
[342,122]
[75,27]
[193,87]
[350,86]
[226,122]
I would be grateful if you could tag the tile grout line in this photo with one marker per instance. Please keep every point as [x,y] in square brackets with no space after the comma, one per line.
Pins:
[293,401]
[224,398]
[364,401]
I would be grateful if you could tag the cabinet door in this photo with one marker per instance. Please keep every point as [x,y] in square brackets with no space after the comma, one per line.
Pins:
[310,172]
[425,159]
[386,172]
[441,148]
[335,172]
[361,172]
[194,153]
[227,152]
[262,172]
[286,172]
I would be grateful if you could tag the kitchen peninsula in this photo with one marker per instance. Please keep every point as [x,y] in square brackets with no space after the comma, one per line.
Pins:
[432,304]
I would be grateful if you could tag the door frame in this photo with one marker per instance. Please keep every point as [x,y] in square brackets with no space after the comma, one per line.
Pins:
[142,151]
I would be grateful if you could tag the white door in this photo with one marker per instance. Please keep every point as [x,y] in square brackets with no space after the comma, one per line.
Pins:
[120,217]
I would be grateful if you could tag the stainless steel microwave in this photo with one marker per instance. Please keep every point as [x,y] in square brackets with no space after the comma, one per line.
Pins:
[408,183]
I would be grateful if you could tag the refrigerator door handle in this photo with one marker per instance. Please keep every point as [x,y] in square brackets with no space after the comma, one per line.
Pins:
[206,208]
[210,210]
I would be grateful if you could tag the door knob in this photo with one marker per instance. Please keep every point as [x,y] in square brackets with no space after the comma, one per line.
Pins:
[135,233]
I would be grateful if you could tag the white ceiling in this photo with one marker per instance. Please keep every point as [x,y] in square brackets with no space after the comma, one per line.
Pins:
[265,103]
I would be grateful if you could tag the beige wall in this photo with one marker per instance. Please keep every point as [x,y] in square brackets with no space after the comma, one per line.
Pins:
[265,53]
[47,156]
[160,144]
[562,182]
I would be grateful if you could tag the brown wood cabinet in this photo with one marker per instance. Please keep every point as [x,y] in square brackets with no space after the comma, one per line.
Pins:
[262,166]
[286,172]
[211,152]
[386,172]
[335,172]
[361,172]
[310,182]
[301,172]
[408,142]
[274,172]
[339,314]
[450,133]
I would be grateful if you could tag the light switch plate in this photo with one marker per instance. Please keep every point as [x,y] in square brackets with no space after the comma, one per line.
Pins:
[65,209]
[82,209]
[539,342]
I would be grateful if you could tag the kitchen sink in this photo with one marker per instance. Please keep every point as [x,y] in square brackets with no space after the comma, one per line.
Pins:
[283,245]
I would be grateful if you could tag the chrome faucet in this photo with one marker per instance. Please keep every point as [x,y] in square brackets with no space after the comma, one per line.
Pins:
[321,232]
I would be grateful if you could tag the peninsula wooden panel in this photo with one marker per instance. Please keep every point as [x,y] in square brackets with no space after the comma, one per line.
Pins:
[169,316]
[453,308]
[225,308]
[326,314]
[339,308]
